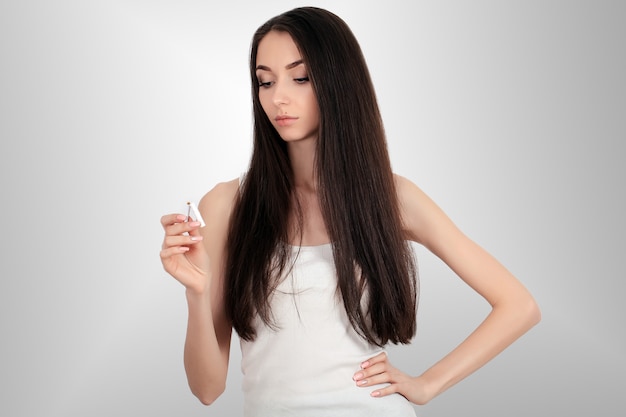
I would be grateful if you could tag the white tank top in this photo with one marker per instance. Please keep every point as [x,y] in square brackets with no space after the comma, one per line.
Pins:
[304,368]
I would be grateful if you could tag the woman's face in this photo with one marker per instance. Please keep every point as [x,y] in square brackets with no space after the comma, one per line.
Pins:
[285,92]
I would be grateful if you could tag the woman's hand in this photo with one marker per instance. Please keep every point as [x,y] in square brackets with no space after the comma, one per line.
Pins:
[183,254]
[378,370]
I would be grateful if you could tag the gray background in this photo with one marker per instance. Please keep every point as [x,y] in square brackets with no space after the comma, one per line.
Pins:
[511,115]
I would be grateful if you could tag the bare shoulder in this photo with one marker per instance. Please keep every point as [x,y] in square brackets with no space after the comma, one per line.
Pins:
[404,187]
[216,207]
[422,218]
[408,199]
[407,190]
[219,201]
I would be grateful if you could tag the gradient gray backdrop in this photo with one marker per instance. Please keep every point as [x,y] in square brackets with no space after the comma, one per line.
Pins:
[509,114]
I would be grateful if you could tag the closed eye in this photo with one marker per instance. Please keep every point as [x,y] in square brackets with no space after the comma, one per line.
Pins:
[265,84]
[301,80]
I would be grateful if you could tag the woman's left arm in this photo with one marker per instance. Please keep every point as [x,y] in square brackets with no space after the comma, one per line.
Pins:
[514,310]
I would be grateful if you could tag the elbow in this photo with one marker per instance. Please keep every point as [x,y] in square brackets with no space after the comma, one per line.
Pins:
[535,313]
[530,312]
[206,400]
[523,312]
[209,395]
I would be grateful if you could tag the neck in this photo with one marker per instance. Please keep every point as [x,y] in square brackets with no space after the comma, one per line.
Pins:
[302,157]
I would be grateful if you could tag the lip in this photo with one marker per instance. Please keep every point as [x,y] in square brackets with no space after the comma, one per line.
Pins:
[285,120]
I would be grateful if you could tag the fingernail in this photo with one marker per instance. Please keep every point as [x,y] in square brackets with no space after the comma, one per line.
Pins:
[195,238]
[365,364]
[181,217]
[358,376]
[363,382]
[194,224]
[375,394]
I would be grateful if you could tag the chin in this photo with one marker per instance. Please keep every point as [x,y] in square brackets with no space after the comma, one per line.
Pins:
[295,137]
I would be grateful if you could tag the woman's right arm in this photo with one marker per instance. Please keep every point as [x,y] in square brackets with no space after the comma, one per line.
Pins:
[197,260]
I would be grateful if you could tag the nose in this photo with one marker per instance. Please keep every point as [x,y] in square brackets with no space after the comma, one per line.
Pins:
[281,96]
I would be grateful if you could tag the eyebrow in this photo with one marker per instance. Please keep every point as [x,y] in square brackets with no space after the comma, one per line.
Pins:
[288,66]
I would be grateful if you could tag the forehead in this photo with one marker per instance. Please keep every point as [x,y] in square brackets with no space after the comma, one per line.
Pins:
[276,50]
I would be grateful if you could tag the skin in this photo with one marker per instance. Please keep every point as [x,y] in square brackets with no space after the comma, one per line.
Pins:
[195,256]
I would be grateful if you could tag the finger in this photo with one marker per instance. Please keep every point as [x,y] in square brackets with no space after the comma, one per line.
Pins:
[381,357]
[180,228]
[375,369]
[377,379]
[195,230]
[168,253]
[170,219]
[180,240]
[383,392]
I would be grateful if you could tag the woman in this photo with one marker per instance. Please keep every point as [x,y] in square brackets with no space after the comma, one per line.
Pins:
[307,256]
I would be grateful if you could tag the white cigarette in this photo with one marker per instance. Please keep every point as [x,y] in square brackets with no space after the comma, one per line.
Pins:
[196,213]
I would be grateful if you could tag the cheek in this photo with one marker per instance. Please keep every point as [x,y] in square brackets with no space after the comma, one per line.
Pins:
[313,105]
[310,100]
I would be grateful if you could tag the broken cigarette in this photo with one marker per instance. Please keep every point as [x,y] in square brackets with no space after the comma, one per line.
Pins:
[196,213]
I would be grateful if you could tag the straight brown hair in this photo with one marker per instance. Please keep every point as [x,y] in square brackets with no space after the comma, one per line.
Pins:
[356,189]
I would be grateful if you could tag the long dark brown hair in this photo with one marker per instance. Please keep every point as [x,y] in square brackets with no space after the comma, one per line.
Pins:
[356,190]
